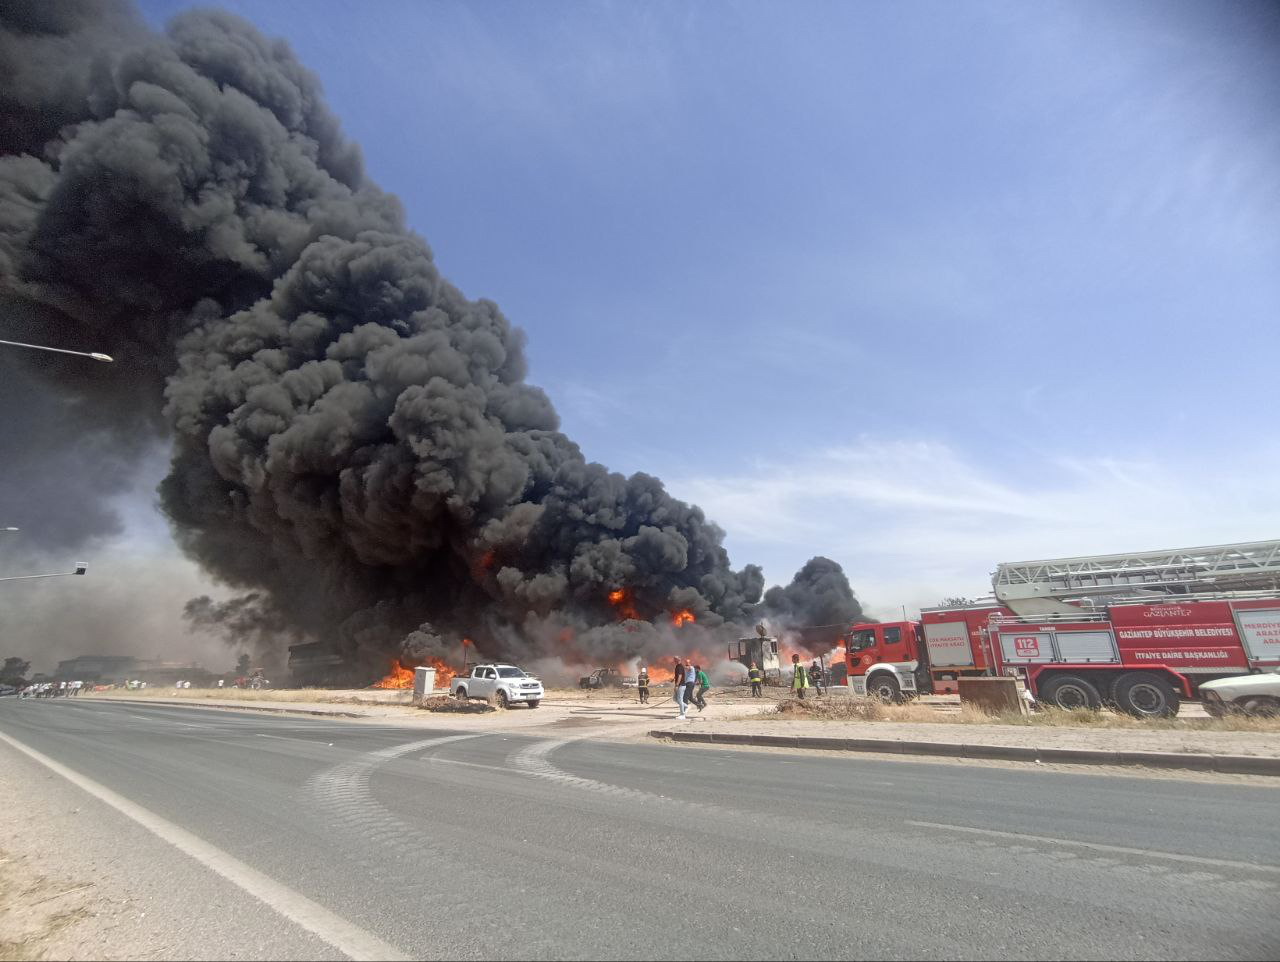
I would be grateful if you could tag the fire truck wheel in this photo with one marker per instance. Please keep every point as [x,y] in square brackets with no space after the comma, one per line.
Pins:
[1144,695]
[884,687]
[1071,692]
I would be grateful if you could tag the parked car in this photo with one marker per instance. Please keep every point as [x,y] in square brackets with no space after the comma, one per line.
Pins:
[602,678]
[507,684]
[1257,694]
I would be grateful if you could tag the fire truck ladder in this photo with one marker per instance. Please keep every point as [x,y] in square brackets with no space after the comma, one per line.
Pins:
[1033,588]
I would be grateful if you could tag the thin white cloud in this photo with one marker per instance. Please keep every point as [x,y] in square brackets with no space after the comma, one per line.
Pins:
[914,521]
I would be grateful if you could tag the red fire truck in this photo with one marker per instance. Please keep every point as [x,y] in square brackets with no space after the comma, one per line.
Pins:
[1137,632]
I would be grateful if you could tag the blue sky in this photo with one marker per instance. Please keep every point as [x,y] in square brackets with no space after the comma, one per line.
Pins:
[921,286]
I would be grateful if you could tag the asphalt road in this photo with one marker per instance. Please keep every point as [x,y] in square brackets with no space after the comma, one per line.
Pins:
[361,838]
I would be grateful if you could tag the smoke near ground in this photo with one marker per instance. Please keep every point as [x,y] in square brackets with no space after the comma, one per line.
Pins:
[355,450]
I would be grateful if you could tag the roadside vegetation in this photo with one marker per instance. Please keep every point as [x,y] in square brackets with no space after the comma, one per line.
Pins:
[324,696]
[870,710]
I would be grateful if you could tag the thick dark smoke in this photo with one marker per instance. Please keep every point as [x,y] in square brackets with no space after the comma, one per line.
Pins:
[354,444]
[818,596]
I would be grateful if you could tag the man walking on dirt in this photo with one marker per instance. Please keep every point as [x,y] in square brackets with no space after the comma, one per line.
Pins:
[700,699]
[756,677]
[799,677]
[642,685]
[816,676]
[677,682]
[690,682]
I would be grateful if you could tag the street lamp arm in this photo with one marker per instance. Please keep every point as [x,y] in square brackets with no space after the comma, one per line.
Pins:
[81,568]
[61,350]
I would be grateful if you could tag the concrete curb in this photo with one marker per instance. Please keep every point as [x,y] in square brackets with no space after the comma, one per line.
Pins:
[1225,764]
[238,706]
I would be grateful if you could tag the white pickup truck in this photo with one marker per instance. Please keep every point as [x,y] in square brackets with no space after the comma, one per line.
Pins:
[507,683]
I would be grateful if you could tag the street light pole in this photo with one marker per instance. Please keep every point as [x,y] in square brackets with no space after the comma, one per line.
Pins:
[81,568]
[61,350]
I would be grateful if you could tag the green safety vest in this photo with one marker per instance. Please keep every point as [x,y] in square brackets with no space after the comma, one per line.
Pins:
[801,678]
[755,675]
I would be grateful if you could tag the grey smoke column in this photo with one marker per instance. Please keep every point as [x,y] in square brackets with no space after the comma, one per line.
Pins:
[354,444]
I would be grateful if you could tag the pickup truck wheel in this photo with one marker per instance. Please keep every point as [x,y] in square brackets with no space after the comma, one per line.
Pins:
[503,701]
[533,702]
[1262,706]
[1144,695]
[1071,692]
[884,687]
[460,694]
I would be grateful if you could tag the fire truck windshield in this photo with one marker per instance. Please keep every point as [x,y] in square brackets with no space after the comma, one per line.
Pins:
[858,640]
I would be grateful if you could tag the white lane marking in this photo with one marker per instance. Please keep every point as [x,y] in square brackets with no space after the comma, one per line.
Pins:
[344,789]
[152,718]
[1099,847]
[347,938]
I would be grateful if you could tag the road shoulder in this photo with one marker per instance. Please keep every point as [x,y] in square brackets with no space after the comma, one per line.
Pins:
[80,881]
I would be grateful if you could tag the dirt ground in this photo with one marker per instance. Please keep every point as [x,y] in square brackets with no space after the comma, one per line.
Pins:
[37,912]
[618,714]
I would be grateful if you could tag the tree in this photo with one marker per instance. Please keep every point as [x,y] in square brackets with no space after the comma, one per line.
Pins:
[14,671]
[242,666]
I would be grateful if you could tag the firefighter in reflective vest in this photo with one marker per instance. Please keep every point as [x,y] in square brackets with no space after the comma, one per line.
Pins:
[756,677]
[799,676]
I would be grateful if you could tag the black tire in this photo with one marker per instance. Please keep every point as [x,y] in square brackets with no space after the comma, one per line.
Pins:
[884,687]
[1262,706]
[1071,692]
[1144,695]
[503,700]
[533,702]
[460,694]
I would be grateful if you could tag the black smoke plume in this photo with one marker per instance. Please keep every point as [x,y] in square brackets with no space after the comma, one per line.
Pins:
[354,445]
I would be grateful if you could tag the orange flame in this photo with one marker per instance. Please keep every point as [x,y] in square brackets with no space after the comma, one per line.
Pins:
[401,676]
[682,617]
[398,677]
[482,565]
[620,598]
[444,674]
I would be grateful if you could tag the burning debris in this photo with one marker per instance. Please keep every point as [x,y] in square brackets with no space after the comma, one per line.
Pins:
[398,677]
[354,446]
[401,675]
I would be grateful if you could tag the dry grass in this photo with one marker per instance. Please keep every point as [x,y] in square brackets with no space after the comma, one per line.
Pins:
[1081,718]
[870,710]
[323,696]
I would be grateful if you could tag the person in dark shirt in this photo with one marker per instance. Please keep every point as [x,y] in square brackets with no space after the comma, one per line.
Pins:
[816,678]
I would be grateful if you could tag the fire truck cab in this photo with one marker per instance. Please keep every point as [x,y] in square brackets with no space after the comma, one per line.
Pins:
[888,660]
[1136,632]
